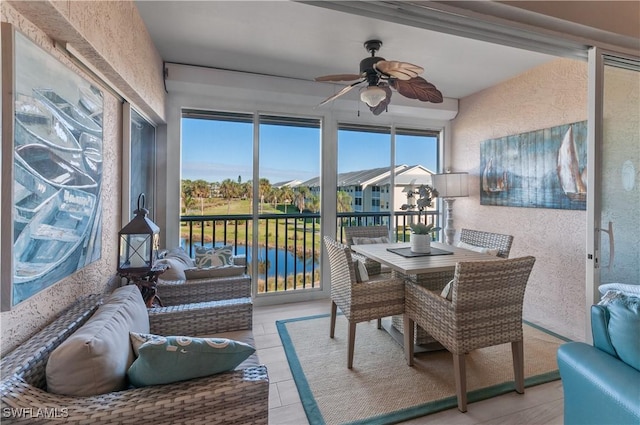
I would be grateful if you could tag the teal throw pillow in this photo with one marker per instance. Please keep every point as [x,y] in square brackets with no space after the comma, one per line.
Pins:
[208,257]
[162,360]
[624,328]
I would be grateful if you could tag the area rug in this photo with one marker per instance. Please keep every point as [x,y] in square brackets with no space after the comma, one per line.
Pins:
[381,388]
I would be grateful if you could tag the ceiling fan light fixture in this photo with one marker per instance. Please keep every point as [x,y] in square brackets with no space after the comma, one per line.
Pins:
[372,95]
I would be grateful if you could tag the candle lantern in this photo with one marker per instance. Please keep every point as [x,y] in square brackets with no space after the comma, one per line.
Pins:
[138,242]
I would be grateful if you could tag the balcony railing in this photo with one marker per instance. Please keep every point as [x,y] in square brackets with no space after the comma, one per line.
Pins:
[289,245]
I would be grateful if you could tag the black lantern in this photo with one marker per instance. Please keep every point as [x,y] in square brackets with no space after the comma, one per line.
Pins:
[139,241]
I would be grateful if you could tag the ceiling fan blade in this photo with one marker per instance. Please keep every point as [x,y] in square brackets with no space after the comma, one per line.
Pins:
[400,70]
[382,106]
[418,88]
[339,77]
[340,93]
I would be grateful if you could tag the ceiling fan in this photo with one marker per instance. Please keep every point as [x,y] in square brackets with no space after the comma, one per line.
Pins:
[381,76]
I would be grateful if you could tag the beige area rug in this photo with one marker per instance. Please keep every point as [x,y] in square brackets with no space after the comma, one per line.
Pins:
[381,388]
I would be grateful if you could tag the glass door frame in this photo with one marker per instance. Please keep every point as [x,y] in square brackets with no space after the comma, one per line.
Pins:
[596,71]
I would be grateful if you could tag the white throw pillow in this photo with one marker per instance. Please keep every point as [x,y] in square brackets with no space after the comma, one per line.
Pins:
[94,359]
[446,291]
[180,254]
[626,288]
[361,271]
[175,270]
[482,249]
[358,240]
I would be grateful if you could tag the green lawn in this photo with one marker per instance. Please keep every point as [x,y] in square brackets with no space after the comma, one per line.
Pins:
[277,232]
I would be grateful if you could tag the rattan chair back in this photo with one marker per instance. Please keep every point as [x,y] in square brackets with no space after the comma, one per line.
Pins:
[488,240]
[364,232]
[373,267]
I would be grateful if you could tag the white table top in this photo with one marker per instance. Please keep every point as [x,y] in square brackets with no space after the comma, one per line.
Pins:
[418,265]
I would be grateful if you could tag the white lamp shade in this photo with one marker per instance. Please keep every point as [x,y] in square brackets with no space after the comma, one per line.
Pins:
[451,185]
[373,95]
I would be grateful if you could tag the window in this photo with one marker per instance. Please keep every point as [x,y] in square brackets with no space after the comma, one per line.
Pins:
[275,222]
[142,163]
[364,163]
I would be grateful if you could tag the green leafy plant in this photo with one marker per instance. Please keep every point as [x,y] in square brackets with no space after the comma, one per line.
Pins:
[423,198]
[423,229]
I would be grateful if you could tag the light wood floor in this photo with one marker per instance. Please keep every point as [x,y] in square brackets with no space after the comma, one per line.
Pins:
[541,404]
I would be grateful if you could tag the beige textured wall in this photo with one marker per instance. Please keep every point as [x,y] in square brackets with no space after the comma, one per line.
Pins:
[31,315]
[546,96]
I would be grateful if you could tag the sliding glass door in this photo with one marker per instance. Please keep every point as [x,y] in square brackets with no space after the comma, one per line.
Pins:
[274,223]
[615,152]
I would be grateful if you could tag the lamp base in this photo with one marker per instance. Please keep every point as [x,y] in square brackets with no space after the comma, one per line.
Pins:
[449,230]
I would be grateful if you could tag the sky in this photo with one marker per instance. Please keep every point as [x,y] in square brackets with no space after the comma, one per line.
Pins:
[218,150]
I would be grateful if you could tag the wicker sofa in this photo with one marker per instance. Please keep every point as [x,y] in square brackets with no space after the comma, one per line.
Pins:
[238,396]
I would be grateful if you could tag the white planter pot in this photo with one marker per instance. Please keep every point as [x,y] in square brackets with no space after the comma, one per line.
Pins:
[420,244]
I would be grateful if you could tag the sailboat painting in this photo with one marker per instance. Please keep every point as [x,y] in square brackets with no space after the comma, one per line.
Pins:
[57,173]
[539,169]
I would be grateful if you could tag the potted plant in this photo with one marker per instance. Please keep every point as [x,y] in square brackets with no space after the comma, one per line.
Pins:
[420,237]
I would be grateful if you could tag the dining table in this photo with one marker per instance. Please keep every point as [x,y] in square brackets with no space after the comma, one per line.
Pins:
[443,257]
[431,270]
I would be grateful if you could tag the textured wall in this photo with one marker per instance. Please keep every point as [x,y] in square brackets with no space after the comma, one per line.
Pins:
[31,315]
[547,96]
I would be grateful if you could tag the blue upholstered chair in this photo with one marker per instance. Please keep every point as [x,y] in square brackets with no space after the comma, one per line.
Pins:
[602,382]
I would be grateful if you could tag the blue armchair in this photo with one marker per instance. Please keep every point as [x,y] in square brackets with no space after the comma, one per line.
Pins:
[602,382]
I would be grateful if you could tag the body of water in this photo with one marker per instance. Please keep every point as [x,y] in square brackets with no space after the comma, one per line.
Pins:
[287,263]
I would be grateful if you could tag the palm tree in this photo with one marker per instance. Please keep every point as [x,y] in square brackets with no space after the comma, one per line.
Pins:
[245,190]
[275,195]
[201,191]
[301,193]
[313,203]
[186,192]
[286,195]
[188,203]
[264,188]
[343,201]
[228,190]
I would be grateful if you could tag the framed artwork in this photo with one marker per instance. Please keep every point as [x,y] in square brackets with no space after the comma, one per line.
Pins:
[539,169]
[51,169]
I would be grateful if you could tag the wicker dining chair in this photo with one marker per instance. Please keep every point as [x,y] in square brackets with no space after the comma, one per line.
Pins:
[488,240]
[350,232]
[485,310]
[378,297]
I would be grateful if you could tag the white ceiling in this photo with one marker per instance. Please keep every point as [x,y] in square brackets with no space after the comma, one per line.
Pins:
[302,41]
